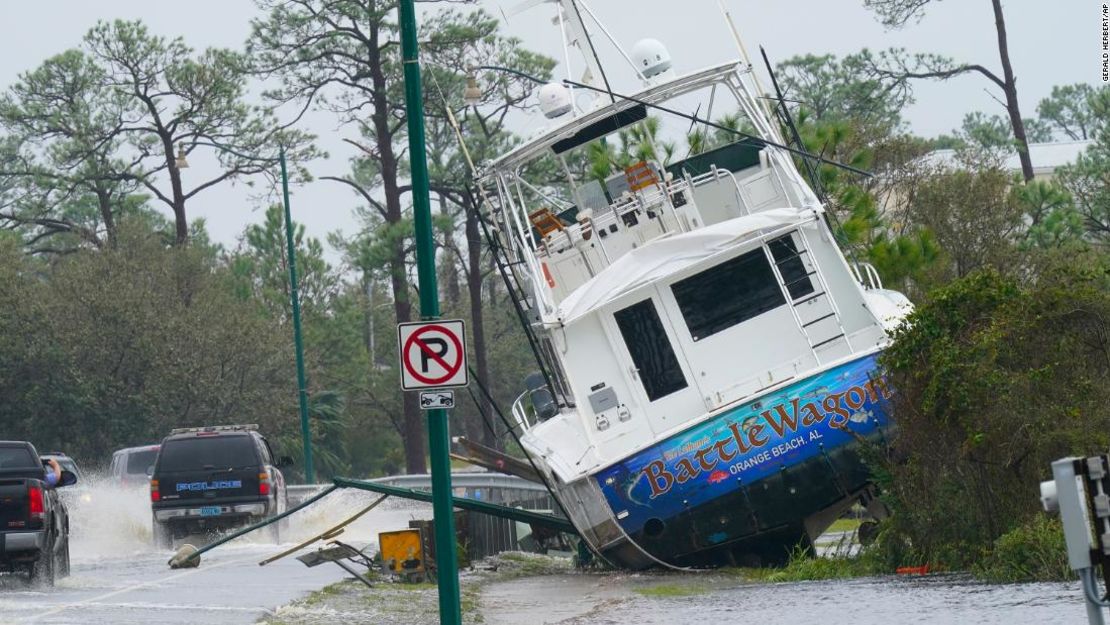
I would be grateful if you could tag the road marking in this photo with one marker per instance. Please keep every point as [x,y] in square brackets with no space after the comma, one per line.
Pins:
[141,585]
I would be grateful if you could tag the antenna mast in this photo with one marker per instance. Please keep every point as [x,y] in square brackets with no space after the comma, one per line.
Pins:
[578,35]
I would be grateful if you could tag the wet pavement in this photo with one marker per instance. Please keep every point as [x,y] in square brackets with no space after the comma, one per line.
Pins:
[119,578]
[713,598]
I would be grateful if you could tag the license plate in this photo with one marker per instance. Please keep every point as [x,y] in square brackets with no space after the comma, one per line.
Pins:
[209,510]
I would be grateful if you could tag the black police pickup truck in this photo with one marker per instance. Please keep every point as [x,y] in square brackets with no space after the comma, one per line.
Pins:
[213,478]
[34,524]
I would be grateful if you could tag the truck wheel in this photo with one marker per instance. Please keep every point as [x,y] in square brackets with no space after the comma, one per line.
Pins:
[63,570]
[42,571]
[162,536]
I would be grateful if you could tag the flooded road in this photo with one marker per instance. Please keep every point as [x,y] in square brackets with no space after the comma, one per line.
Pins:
[712,598]
[119,578]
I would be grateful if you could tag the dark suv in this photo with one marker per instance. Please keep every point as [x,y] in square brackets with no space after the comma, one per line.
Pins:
[214,478]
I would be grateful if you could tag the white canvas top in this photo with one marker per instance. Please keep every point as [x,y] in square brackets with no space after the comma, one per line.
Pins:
[665,256]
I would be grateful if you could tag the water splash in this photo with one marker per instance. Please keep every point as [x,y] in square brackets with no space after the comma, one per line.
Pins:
[107,520]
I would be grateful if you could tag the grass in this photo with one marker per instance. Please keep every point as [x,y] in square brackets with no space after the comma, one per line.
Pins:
[520,564]
[803,567]
[317,597]
[469,603]
[413,587]
[844,525]
[398,602]
[669,591]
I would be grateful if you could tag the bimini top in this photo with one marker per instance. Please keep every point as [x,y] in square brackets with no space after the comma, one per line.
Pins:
[654,94]
[664,257]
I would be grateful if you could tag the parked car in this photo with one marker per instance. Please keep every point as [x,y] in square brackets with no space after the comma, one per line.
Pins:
[131,467]
[34,523]
[214,478]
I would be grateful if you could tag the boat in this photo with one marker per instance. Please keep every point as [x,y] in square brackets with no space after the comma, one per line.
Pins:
[708,354]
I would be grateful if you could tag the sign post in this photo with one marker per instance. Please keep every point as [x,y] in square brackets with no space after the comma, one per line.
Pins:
[447,573]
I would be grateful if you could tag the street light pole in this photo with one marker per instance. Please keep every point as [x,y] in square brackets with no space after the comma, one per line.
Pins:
[294,297]
[295,300]
[438,437]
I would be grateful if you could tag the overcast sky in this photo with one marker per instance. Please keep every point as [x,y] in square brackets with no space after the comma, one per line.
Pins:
[1051,43]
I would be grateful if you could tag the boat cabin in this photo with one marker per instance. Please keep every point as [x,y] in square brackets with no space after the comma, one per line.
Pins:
[667,293]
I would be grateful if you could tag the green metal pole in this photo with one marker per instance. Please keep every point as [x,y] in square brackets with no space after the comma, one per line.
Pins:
[439,445]
[302,392]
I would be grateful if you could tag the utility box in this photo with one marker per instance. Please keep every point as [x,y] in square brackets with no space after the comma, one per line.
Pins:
[403,554]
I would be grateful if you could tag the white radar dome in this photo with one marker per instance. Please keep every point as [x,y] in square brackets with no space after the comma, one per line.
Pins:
[651,57]
[555,100]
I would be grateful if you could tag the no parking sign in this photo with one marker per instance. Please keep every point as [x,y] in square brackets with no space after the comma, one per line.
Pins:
[433,354]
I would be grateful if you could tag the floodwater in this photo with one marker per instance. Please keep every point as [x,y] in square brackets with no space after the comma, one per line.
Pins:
[119,578]
[713,598]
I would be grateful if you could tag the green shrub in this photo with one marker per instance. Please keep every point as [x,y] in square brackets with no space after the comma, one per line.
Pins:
[1034,551]
[996,377]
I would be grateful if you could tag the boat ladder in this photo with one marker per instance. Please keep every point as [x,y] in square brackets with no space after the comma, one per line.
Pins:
[814,311]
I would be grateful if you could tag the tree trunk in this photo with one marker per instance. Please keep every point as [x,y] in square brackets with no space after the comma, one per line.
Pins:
[477,322]
[412,429]
[368,320]
[181,222]
[448,269]
[1011,94]
[104,203]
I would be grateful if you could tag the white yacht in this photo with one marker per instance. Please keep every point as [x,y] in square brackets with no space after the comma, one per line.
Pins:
[708,353]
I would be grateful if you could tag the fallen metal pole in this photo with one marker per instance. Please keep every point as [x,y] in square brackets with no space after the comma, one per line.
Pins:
[504,512]
[328,533]
[264,523]
[465,503]
[358,576]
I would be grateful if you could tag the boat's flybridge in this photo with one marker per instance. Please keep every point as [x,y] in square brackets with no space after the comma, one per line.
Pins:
[668,292]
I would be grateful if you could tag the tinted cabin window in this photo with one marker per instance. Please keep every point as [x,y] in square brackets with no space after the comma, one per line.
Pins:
[16,458]
[139,461]
[793,270]
[215,453]
[730,293]
[651,350]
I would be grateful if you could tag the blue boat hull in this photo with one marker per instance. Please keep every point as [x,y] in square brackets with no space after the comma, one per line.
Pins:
[739,487]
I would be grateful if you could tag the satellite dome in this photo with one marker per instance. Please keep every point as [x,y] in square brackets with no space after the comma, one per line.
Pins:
[555,100]
[651,57]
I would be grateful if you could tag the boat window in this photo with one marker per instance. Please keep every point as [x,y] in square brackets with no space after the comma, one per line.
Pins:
[730,293]
[651,350]
[793,270]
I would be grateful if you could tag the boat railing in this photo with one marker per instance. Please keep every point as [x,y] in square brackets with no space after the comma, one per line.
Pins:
[650,198]
[744,208]
[520,412]
[657,197]
[867,275]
